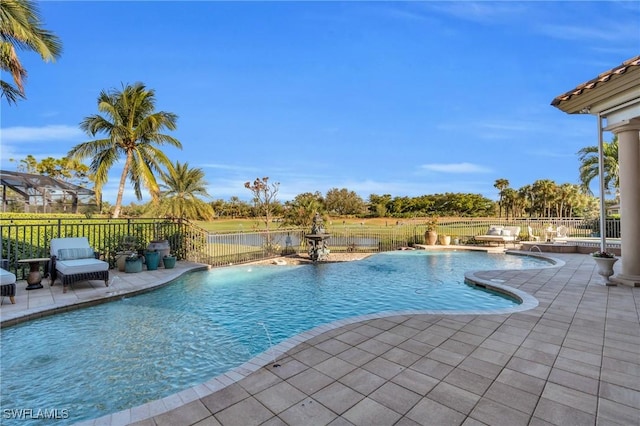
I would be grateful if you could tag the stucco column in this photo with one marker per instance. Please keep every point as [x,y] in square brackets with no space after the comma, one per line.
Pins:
[628,133]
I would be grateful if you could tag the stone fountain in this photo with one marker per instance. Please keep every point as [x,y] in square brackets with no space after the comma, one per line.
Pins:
[318,240]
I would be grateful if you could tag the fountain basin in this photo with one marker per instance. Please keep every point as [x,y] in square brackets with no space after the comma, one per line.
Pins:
[549,247]
[317,237]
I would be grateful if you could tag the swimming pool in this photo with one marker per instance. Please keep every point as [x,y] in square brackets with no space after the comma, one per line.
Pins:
[103,359]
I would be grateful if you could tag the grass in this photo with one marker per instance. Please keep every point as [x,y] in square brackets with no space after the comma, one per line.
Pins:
[463,228]
[248,225]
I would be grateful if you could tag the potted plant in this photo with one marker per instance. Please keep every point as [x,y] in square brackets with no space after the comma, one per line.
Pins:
[430,235]
[444,240]
[605,261]
[152,259]
[159,243]
[169,261]
[133,263]
[128,245]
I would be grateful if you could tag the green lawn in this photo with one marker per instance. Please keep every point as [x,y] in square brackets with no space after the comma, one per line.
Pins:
[247,225]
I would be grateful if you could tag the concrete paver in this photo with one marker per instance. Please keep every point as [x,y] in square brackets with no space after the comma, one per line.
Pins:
[572,359]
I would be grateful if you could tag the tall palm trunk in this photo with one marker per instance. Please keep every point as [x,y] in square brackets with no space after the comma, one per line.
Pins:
[123,181]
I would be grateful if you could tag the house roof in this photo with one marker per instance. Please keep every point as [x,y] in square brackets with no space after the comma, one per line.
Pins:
[26,182]
[622,79]
[28,185]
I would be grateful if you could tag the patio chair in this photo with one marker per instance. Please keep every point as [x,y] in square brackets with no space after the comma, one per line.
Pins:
[532,236]
[8,285]
[73,259]
[561,234]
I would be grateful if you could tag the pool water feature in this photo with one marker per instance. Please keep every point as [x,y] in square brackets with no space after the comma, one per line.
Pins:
[114,356]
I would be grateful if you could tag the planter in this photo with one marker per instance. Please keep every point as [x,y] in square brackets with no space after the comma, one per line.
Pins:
[132,266]
[161,246]
[444,240]
[152,259]
[430,237]
[605,268]
[121,256]
[169,262]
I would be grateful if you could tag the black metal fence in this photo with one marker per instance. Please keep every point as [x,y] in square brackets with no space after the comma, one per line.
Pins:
[466,228]
[29,238]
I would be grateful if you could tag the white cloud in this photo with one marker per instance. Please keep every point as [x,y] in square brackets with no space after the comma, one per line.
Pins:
[483,12]
[456,168]
[53,132]
[604,32]
[229,167]
[551,154]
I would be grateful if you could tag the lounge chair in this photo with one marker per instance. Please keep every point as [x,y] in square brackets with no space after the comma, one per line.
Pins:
[73,259]
[500,234]
[8,285]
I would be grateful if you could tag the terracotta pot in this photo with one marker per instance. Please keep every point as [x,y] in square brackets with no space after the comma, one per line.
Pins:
[431,237]
[161,246]
[444,240]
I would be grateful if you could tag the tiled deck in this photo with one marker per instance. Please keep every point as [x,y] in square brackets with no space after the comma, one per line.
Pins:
[51,299]
[572,360]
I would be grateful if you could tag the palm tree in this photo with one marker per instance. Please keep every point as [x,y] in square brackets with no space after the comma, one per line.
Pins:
[132,128]
[566,194]
[501,185]
[528,197]
[21,28]
[545,190]
[301,210]
[510,199]
[180,192]
[589,166]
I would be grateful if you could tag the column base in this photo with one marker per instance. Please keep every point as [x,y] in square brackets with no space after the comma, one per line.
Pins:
[628,280]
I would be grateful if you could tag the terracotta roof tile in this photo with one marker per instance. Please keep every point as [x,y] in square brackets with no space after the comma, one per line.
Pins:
[602,78]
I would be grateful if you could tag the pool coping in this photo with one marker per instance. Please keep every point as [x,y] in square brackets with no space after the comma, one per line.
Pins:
[93,300]
[271,355]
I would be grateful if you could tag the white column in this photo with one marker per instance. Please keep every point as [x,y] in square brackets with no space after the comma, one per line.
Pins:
[628,133]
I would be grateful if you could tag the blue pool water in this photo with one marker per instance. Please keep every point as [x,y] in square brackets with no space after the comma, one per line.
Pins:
[99,360]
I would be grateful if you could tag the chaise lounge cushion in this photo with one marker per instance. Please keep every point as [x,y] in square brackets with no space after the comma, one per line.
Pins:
[495,230]
[7,277]
[81,266]
[505,235]
[8,284]
[76,253]
[72,259]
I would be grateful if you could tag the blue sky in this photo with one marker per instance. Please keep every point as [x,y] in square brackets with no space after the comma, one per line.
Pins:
[400,98]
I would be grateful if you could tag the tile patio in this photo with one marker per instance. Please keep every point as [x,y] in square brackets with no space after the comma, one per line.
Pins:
[573,359]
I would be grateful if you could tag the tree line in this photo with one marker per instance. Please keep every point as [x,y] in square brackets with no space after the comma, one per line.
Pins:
[544,198]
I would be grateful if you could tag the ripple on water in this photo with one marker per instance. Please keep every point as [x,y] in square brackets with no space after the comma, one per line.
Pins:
[121,354]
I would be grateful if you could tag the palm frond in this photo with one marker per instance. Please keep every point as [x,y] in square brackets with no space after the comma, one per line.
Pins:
[21,28]
[10,93]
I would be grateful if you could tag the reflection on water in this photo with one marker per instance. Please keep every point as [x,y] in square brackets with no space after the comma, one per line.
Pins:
[114,356]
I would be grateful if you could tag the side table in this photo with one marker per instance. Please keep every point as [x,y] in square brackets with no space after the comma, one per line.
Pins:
[549,233]
[34,279]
